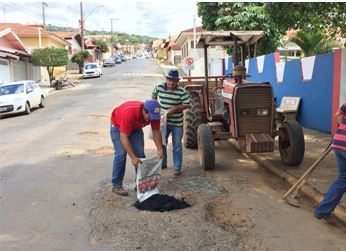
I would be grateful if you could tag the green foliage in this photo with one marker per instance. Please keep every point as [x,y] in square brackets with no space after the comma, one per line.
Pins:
[50,57]
[209,14]
[122,38]
[275,18]
[241,16]
[54,28]
[79,59]
[313,43]
[313,16]
[102,44]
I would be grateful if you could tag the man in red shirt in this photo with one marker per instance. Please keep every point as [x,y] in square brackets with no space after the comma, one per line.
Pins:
[127,121]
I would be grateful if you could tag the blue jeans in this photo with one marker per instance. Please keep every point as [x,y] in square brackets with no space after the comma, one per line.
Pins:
[336,190]
[177,136]
[119,162]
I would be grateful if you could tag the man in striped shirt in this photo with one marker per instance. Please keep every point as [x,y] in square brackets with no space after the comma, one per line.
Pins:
[174,100]
[338,188]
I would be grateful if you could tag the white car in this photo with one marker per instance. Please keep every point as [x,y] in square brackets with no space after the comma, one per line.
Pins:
[92,70]
[20,96]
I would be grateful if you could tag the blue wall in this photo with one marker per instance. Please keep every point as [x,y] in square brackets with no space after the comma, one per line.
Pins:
[316,103]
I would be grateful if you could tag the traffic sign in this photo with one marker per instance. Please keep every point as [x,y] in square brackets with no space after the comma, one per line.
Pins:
[189,63]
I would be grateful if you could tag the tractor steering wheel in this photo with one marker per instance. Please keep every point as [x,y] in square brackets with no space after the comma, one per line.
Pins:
[226,76]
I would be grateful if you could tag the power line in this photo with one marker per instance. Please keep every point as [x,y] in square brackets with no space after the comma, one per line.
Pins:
[24,11]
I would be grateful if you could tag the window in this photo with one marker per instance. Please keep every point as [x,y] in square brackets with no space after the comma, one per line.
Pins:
[28,87]
[33,85]
[3,63]
[11,89]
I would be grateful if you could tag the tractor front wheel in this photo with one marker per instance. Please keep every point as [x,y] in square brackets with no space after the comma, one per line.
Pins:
[192,119]
[291,143]
[206,147]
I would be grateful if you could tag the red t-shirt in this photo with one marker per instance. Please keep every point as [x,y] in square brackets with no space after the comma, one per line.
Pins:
[128,117]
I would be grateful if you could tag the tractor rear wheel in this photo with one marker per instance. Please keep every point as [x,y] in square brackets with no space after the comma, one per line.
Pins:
[192,119]
[291,143]
[206,147]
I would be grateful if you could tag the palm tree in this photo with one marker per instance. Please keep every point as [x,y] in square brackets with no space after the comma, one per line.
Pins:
[313,43]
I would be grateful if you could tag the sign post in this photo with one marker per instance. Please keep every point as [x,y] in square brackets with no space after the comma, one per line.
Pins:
[189,64]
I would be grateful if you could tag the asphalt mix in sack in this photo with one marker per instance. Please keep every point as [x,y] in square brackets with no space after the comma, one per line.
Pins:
[161,203]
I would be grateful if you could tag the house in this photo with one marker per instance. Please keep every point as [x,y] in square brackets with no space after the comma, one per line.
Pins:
[216,54]
[173,51]
[127,49]
[33,37]
[15,59]
[93,49]
[289,50]
[74,39]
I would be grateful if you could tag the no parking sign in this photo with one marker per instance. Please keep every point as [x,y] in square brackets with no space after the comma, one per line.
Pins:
[189,63]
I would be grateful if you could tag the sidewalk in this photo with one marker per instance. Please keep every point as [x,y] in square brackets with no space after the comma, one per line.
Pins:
[322,177]
[71,74]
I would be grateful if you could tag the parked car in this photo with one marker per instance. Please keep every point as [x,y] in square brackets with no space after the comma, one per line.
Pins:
[117,59]
[20,96]
[108,62]
[92,70]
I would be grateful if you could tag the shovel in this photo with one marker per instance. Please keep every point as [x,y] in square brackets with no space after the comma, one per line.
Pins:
[294,190]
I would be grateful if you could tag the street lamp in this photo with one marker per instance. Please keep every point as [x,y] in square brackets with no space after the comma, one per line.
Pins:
[83,20]
[92,11]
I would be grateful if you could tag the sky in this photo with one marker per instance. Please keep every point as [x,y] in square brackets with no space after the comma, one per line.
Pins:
[152,18]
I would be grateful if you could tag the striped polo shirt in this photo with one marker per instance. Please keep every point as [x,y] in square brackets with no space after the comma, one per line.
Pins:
[340,135]
[171,99]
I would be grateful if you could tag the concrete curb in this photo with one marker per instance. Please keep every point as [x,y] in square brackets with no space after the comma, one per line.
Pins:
[307,189]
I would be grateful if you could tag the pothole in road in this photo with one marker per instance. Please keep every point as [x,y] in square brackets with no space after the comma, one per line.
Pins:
[200,184]
[87,133]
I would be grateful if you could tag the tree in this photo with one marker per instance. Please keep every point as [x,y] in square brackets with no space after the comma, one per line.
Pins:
[102,44]
[50,57]
[80,58]
[313,43]
[274,18]
[313,16]
[241,16]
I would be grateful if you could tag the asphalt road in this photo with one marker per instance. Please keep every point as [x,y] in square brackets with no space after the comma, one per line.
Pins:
[53,159]
[55,170]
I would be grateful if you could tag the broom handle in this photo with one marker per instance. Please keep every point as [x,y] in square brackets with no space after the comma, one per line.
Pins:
[299,184]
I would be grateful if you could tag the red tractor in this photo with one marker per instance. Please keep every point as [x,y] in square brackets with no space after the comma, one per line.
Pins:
[224,107]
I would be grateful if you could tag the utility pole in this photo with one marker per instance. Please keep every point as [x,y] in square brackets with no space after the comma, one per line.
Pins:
[4,11]
[43,15]
[194,36]
[81,25]
[112,19]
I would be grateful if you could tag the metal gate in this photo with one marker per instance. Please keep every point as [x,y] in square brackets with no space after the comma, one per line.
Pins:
[4,71]
[19,70]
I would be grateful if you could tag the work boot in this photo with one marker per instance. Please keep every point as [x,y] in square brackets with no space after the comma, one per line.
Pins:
[177,172]
[120,191]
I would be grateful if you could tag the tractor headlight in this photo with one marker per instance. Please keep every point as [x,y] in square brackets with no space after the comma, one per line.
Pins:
[263,112]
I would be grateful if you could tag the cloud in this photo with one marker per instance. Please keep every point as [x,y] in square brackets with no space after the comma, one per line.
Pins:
[158,19]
